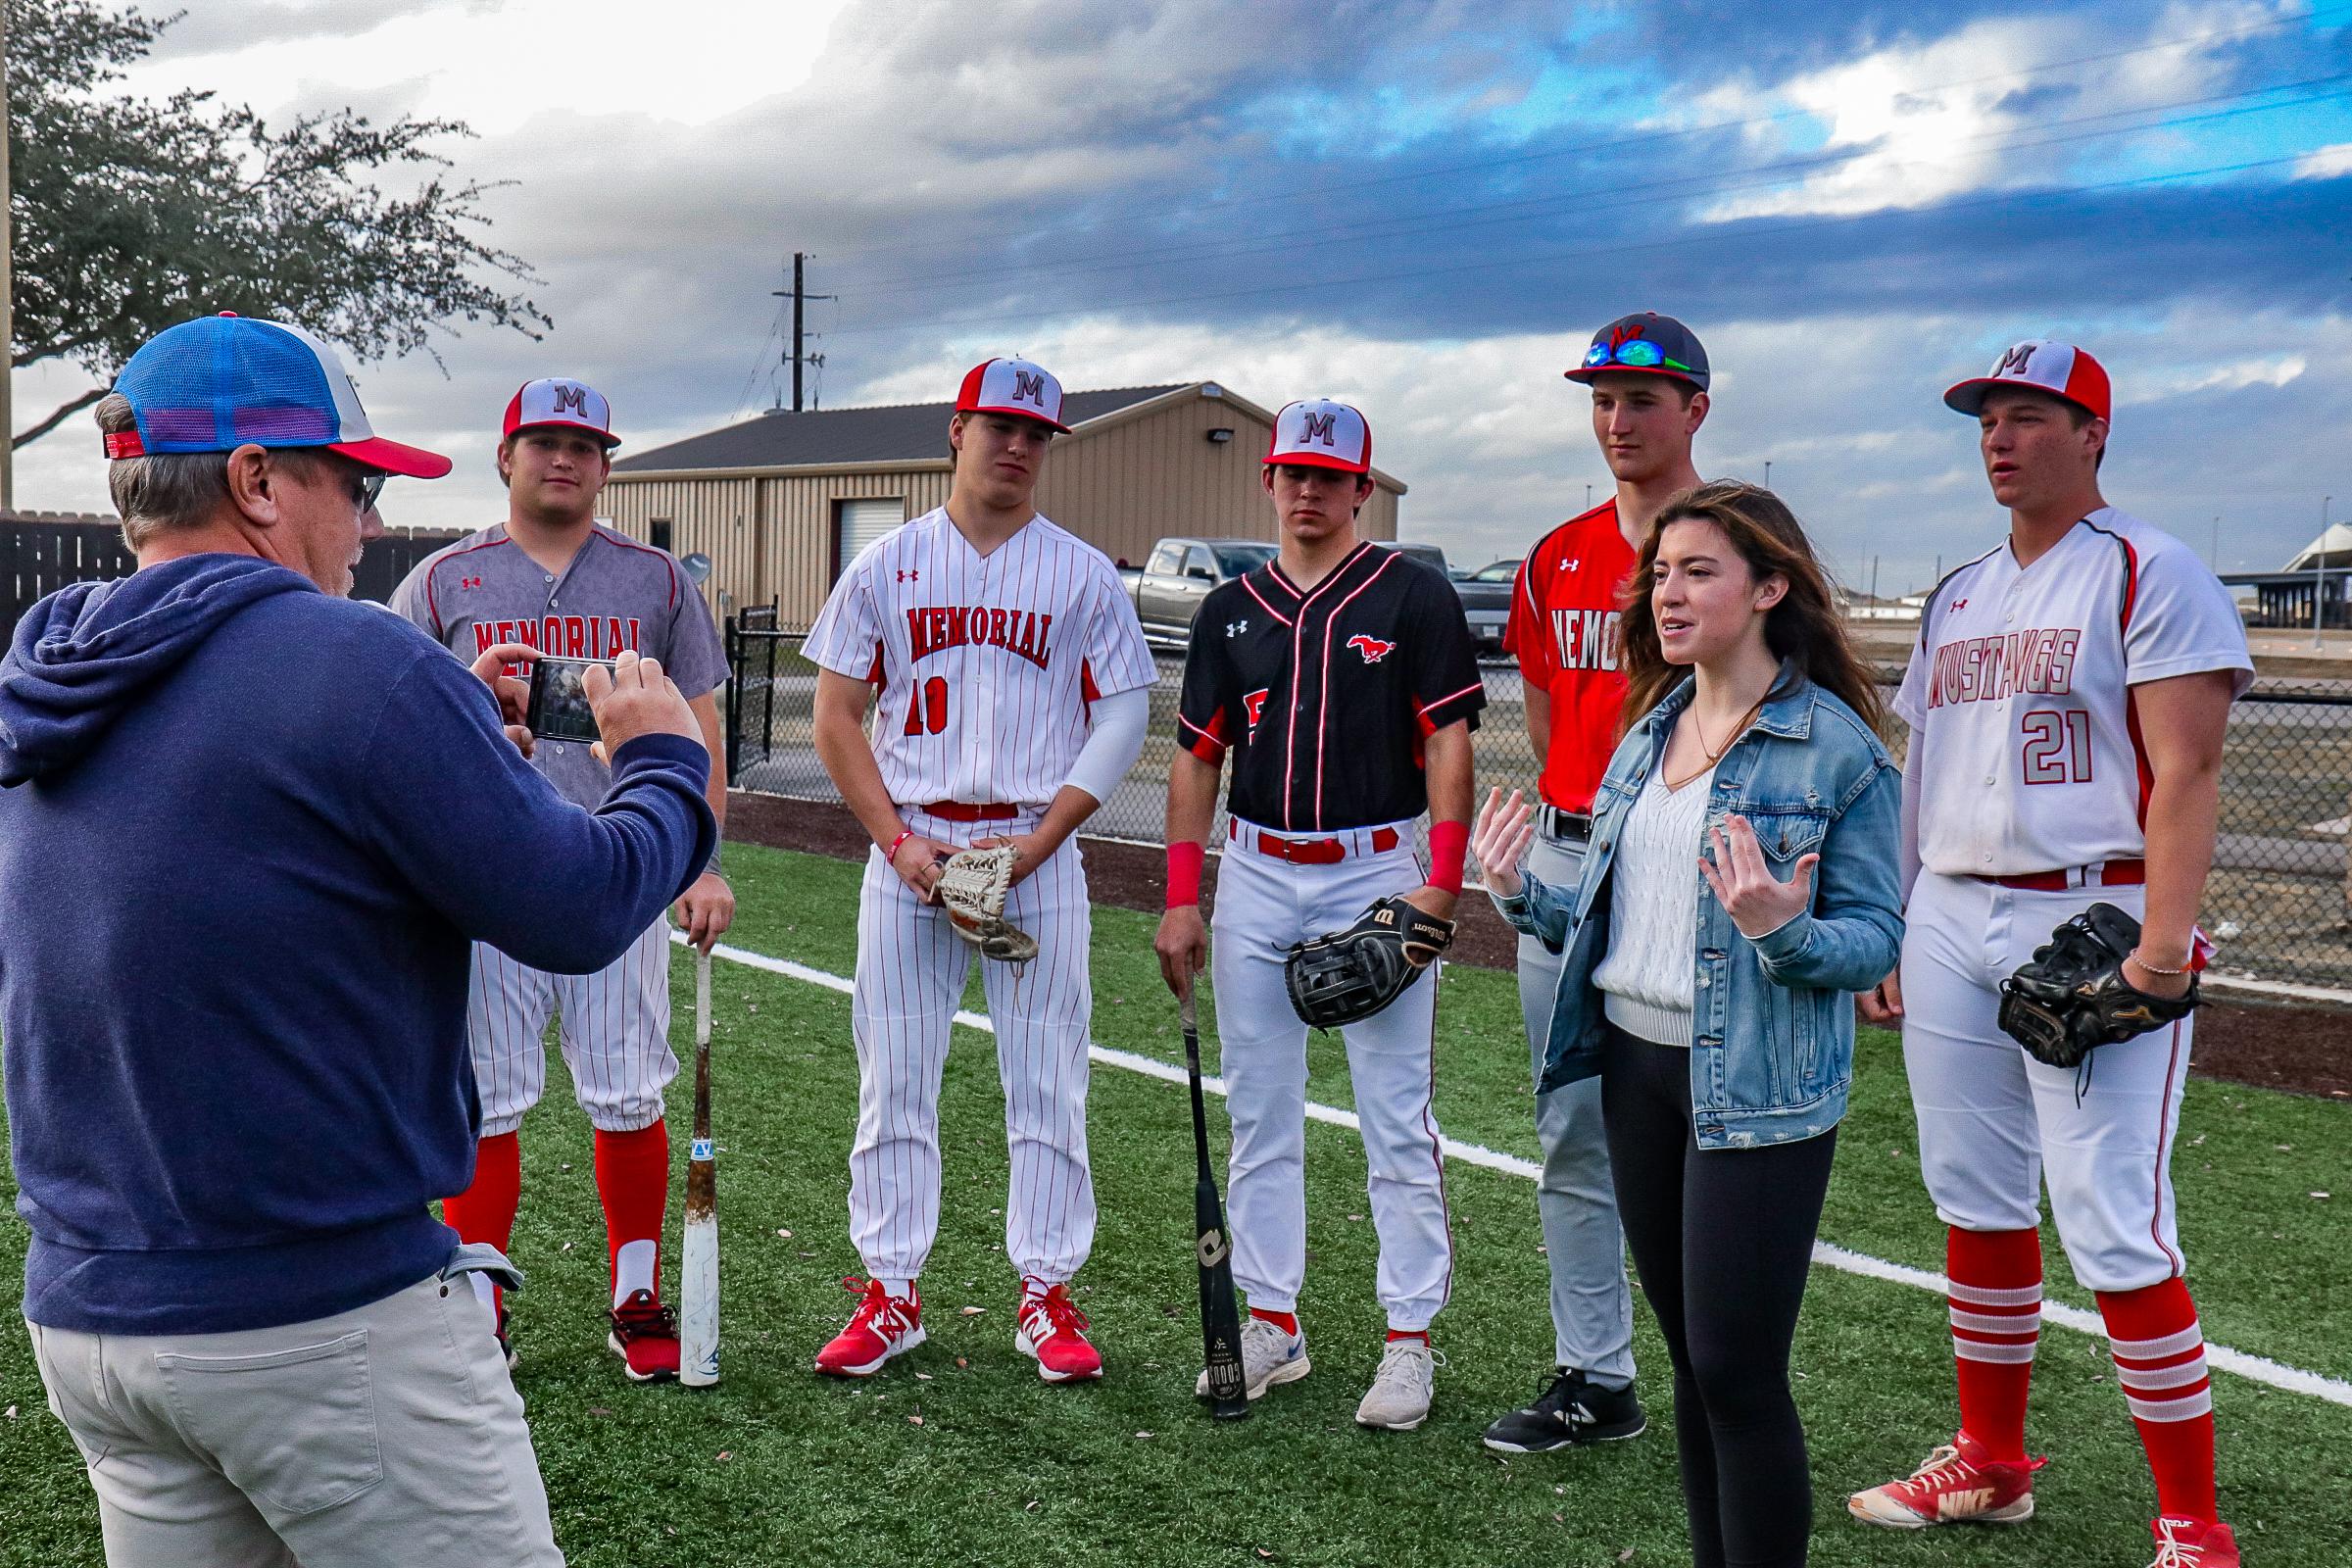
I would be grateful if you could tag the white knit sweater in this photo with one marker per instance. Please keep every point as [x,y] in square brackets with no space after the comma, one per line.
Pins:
[1646,978]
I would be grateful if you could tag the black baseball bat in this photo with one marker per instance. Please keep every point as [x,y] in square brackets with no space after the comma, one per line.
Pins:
[1213,1250]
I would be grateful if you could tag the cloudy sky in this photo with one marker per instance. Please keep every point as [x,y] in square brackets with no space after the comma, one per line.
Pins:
[1424,208]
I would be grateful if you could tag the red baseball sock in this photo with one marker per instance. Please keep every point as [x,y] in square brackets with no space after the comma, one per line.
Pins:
[1288,1322]
[633,1177]
[1408,1333]
[485,1210]
[1996,1325]
[2160,1360]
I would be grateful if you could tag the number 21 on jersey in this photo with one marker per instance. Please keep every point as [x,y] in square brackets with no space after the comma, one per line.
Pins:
[2057,745]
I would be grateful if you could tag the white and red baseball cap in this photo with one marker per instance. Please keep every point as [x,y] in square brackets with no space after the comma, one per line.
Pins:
[2044,364]
[1319,433]
[220,381]
[560,402]
[1011,386]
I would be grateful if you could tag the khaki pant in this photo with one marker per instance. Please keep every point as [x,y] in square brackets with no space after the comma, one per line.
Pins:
[389,1434]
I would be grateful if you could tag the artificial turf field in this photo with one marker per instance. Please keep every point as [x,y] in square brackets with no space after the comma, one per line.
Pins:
[958,1454]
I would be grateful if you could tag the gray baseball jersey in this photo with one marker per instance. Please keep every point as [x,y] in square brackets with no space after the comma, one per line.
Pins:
[618,595]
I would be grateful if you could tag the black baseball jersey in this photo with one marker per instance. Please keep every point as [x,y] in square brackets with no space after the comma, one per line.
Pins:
[1325,697]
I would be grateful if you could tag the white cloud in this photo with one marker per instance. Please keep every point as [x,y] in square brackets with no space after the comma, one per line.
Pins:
[2327,162]
[1905,140]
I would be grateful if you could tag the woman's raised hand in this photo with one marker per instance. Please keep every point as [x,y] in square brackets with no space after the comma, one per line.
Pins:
[1498,838]
[1758,902]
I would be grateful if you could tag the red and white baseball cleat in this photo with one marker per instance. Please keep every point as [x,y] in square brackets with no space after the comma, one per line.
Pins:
[1958,1485]
[645,1335]
[883,1326]
[2185,1544]
[1052,1331]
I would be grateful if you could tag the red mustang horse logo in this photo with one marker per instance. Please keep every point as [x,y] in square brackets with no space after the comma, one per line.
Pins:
[1372,648]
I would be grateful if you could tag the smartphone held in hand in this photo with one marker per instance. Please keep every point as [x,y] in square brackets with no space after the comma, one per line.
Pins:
[559,709]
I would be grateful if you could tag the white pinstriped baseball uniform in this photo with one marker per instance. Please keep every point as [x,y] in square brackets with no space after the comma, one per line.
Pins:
[616,595]
[2026,760]
[986,667]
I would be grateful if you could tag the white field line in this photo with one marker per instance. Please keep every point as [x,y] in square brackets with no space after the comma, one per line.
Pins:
[2257,1368]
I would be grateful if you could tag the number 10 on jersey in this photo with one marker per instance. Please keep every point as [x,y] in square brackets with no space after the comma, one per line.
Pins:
[927,708]
[2057,745]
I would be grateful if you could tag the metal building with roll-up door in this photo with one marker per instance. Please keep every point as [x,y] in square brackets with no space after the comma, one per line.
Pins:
[781,502]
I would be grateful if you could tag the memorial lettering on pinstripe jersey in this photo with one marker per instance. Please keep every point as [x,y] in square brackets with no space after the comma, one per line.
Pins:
[935,629]
[1587,639]
[562,636]
[1987,669]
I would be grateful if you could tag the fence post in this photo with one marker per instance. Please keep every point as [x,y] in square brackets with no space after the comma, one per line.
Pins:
[734,701]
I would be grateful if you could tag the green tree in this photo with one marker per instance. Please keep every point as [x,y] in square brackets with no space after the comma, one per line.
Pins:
[131,214]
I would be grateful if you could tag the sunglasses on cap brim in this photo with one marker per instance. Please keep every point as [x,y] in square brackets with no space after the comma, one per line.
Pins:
[1636,354]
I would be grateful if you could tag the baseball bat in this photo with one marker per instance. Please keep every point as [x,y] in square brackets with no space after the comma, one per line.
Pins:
[1213,1250]
[698,1289]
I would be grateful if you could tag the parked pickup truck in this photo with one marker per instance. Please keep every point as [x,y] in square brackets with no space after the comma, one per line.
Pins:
[1180,574]
[1486,598]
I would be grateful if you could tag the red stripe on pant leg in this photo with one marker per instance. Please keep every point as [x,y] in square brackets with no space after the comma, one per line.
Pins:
[2160,1360]
[1993,1368]
[633,1177]
[485,1210]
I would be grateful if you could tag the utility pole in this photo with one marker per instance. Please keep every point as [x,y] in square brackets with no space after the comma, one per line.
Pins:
[2217,543]
[8,296]
[2319,574]
[1587,498]
[1767,473]
[1873,582]
[799,297]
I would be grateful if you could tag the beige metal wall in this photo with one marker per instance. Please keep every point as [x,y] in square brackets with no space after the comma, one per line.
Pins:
[1123,488]
[766,537]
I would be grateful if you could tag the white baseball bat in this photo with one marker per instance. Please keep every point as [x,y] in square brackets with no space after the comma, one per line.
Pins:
[698,1290]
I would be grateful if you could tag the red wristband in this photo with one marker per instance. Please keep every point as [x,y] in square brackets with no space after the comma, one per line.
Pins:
[890,857]
[1184,874]
[1446,843]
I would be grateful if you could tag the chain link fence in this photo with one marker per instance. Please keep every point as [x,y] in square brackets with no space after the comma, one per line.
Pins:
[2279,901]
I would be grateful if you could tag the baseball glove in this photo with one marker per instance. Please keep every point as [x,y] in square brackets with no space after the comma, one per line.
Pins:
[973,888]
[1347,976]
[2073,997]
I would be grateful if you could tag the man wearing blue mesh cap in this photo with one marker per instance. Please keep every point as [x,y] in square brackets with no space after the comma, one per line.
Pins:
[275,820]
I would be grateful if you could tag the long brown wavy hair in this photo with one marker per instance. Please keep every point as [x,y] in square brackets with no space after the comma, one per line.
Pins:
[1804,625]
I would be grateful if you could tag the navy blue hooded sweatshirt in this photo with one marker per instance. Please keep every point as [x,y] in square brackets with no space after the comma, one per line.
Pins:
[246,833]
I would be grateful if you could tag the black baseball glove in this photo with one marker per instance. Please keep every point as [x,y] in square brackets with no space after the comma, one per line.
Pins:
[1347,976]
[2073,997]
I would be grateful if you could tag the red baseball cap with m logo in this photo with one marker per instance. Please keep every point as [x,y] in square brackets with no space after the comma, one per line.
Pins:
[1011,386]
[2039,365]
[1319,433]
[559,401]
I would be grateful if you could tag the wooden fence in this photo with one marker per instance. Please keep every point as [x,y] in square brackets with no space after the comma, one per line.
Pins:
[39,555]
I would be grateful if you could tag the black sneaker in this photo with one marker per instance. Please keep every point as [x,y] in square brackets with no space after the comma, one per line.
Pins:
[1570,1411]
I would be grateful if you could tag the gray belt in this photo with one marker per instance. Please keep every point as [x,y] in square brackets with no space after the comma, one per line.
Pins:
[1554,823]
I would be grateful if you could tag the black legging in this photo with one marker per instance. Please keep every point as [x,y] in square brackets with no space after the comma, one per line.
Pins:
[1722,1239]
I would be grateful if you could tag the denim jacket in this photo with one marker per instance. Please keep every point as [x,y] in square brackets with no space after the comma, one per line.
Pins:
[1772,1039]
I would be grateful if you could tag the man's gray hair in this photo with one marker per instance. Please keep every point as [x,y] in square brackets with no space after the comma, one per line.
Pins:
[165,492]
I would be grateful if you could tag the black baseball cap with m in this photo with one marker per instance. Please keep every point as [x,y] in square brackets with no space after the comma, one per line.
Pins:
[1645,343]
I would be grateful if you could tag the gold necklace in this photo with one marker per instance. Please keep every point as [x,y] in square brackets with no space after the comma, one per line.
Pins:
[1714,754]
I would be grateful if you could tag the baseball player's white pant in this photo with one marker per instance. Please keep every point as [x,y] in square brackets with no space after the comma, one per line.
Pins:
[1592,1302]
[1263,906]
[1994,1122]
[614,1035]
[911,969]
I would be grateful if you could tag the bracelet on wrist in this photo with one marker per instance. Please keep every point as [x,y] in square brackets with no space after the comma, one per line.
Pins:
[890,857]
[2156,968]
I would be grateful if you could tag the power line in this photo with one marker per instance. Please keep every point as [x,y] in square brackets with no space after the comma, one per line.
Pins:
[1743,232]
[1354,187]
[1646,192]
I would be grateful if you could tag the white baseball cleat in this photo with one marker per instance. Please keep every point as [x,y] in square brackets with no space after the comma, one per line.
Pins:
[1401,1390]
[1269,1356]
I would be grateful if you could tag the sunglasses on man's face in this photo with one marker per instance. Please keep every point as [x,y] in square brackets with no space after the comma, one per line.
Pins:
[1634,353]
[367,487]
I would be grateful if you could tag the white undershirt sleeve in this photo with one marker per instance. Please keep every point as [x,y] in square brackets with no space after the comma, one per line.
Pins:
[1112,744]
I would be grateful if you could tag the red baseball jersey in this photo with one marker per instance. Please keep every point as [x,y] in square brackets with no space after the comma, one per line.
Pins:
[1563,630]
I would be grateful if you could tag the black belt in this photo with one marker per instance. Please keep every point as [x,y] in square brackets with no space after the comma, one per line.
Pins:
[1555,823]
